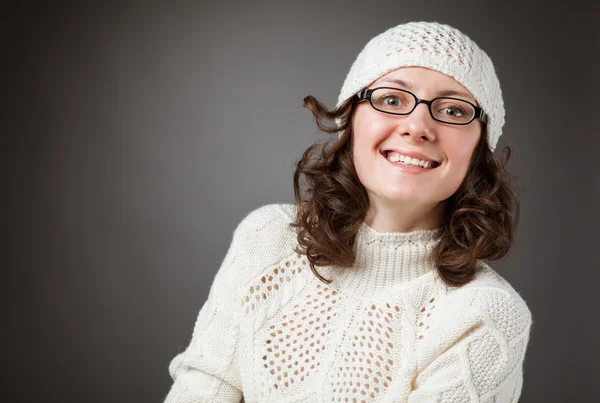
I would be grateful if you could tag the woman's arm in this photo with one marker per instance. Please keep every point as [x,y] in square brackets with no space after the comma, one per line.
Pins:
[476,353]
[208,370]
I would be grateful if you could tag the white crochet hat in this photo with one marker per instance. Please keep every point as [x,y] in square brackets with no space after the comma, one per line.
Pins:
[438,47]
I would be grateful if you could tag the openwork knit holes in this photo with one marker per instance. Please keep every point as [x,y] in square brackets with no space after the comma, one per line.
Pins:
[292,351]
[367,364]
[272,281]
[424,317]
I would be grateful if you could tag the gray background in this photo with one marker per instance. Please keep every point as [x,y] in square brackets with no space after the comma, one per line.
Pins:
[138,136]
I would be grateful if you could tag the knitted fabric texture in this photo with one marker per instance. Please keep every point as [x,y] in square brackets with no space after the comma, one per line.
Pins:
[385,330]
[436,46]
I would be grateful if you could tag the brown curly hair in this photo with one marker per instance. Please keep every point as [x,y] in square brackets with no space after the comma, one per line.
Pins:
[479,221]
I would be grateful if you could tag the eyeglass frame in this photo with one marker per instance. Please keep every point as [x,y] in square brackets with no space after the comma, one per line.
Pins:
[365,95]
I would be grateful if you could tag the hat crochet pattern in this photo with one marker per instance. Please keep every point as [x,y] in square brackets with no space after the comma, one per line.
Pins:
[438,47]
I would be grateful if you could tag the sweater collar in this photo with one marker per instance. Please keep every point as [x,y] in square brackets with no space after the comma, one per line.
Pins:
[387,261]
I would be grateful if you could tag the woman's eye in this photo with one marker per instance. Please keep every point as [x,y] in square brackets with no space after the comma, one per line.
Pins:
[454,111]
[391,101]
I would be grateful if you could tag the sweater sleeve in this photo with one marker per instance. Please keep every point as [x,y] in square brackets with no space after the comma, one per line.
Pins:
[476,351]
[208,369]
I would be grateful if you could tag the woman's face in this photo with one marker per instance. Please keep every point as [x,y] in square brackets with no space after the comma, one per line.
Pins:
[450,145]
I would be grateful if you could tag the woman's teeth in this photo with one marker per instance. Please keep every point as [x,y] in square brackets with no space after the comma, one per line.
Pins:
[409,161]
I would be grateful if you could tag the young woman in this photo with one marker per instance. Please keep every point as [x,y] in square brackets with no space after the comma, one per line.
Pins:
[371,287]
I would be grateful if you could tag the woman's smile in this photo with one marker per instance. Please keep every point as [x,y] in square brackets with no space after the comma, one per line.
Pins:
[409,168]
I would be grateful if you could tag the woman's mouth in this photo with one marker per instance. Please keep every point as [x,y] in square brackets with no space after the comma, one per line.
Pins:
[409,163]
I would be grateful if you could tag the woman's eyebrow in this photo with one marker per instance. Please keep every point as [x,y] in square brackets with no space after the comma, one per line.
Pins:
[402,83]
[443,93]
[448,93]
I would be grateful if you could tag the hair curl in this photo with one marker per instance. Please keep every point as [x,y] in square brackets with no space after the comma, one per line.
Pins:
[479,221]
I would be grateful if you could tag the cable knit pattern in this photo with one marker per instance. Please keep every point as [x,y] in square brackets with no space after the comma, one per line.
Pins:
[386,329]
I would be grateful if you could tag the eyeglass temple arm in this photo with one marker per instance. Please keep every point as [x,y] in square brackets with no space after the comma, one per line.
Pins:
[363,94]
[481,115]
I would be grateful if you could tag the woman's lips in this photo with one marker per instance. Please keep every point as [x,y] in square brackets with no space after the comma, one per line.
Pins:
[408,168]
[408,153]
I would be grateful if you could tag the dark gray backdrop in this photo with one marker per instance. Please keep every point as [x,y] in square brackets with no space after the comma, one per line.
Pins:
[138,136]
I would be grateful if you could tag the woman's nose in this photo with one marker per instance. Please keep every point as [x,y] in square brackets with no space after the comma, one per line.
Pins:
[419,124]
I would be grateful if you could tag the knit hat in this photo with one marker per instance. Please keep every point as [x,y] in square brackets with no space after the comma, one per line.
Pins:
[436,46]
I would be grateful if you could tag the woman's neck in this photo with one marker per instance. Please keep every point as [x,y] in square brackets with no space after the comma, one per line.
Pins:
[404,217]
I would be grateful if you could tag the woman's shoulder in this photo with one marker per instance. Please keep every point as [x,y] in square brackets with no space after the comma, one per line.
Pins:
[264,235]
[262,238]
[496,301]
[489,279]
[263,215]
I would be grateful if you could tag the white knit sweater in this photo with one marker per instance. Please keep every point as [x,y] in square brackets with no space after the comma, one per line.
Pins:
[386,329]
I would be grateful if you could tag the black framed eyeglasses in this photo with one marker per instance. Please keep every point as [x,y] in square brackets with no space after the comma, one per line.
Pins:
[454,111]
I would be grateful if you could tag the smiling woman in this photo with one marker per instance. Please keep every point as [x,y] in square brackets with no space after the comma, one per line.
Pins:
[372,286]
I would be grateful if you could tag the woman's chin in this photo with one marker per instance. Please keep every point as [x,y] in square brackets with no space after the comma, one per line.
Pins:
[409,199]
